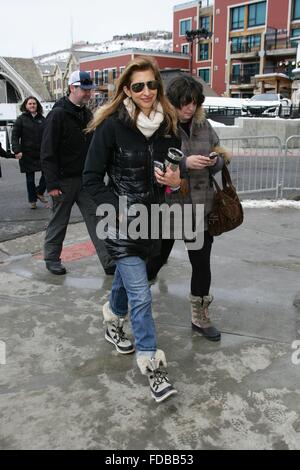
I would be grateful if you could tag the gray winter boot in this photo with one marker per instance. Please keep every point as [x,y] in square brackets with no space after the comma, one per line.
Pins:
[157,375]
[114,332]
[200,318]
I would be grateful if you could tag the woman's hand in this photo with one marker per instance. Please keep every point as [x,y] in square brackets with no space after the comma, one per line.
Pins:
[55,192]
[19,155]
[169,178]
[198,162]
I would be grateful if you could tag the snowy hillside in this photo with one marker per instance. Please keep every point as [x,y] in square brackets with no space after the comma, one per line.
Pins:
[105,47]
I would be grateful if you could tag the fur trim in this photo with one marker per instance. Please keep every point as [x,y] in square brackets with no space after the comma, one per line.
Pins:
[200,115]
[143,361]
[108,314]
[225,153]
[205,300]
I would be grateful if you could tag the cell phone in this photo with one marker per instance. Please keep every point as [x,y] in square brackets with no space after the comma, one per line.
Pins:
[159,165]
[213,155]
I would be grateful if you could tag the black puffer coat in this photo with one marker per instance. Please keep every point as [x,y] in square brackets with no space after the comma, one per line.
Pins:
[26,138]
[126,155]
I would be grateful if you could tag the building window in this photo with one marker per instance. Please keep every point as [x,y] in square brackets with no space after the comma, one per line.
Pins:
[185,25]
[203,52]
[121,70]
[237,17]
[96,73]
[295,33]
[257,14]
[296,12]
[113,73]
[236,73]
[185,48]
[105,76]
[254,41]
[204,22]
[204,74]
[250,70]
[236,45]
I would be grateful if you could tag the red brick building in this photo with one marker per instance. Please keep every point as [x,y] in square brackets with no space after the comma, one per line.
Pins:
[253,45]
[106,68]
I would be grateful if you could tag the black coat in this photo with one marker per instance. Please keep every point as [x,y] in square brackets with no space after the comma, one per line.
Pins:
[126,155]
[26,138]
[4,154]
[65,144]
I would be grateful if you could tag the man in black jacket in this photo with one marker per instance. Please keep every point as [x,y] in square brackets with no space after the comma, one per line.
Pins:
[63,153]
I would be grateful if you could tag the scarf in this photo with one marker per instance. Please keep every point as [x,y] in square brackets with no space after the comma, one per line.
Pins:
[146,124]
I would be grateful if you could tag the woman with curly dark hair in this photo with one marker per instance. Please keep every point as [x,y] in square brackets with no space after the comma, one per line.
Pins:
[26,143]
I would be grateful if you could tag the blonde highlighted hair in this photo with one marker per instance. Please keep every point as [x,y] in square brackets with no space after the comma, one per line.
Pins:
[137,65]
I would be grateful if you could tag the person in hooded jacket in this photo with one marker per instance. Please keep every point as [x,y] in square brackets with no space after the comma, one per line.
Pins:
[204,157]
[130,133]
[63,153]
[26,144]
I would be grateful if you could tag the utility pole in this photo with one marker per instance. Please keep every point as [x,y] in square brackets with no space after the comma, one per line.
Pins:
[191,36]
[71,30]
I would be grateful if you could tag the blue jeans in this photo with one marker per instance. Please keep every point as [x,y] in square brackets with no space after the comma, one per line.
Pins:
[32,190]
[130,285]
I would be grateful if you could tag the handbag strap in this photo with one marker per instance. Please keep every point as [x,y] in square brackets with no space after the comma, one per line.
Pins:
[226,179]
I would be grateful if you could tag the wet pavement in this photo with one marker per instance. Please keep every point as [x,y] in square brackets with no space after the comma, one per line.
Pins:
[65,387]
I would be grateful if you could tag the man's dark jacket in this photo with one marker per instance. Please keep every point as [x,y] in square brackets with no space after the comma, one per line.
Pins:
[65,144]
[26,138]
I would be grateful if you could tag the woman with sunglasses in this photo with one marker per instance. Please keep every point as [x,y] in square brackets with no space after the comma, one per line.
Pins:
[131,132]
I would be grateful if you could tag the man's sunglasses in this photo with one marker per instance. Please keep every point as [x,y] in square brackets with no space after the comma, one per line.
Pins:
[138,87]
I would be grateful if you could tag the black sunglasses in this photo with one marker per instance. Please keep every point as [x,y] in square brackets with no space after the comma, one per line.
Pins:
[138,87]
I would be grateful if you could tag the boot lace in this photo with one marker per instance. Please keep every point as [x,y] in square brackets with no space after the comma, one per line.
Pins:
[119,333]
[159,377]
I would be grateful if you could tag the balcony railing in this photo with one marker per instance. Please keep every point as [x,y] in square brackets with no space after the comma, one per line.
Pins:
[242,79]
[286,69]
[277,39]
[244,48]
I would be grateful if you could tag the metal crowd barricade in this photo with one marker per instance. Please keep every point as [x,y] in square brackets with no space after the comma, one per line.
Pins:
[256,164]
[290,179]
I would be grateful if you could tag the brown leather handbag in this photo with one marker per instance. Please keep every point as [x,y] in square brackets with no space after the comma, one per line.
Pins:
[227,212]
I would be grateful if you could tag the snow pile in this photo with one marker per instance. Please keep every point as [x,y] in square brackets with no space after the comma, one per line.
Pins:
[268,204]
[112,46]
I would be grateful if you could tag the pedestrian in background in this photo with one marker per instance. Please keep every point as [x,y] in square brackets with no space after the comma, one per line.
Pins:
[203,157]
[5,154]
[63,153]
[26,144]
[131,132]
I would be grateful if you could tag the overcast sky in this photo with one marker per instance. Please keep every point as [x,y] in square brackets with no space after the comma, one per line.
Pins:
[34,27]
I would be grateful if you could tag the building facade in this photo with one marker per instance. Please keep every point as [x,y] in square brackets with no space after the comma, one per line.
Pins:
[106,68]
[253,46]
